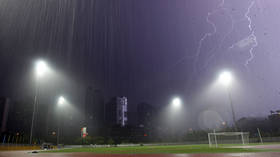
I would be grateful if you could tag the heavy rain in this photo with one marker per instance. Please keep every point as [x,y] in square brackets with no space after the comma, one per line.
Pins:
[138,71]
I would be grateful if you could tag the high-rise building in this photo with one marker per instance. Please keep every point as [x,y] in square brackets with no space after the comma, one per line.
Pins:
[116,111]
[94,110]
[146,114]
[122,111]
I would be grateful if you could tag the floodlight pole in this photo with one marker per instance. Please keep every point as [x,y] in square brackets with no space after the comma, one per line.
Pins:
[61,101]
[57,136]
[232,109]
[59,129]
[34,108]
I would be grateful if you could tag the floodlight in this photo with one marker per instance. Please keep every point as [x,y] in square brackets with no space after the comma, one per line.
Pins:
[225,78]
[176,102]
[61,101]
[41,67]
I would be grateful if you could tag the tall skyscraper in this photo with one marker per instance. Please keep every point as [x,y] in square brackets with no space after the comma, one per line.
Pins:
[122,111]
[116,111]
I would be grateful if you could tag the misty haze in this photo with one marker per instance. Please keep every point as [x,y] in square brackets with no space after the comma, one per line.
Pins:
[96,73]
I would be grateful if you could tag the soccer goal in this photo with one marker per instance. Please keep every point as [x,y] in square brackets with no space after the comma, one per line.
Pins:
[217,138]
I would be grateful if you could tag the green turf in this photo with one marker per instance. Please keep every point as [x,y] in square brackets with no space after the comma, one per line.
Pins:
[178,149]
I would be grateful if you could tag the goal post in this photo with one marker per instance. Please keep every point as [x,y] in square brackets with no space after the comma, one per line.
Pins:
[217,138]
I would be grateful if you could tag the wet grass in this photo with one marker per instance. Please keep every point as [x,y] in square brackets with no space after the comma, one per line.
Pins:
[177,149]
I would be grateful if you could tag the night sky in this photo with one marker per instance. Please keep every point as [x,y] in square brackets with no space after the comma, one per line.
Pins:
[147,50]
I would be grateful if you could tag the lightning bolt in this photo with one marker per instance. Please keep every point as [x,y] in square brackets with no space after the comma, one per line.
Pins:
[252,36]
[250,39]
[208,34]
[205,36]
[224,38]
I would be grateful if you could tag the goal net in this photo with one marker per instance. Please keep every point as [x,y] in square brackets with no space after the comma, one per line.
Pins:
[228,138]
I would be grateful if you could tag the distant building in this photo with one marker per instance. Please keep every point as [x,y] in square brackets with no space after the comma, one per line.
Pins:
[146,114]
[122,111]
[116,111]
[274,115]
[251,123]
[94,110]
[4,113]
[274,119]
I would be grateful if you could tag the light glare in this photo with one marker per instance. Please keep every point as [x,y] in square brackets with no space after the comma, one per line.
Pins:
[61,101]
[225,78]
[41,68]
[176,102]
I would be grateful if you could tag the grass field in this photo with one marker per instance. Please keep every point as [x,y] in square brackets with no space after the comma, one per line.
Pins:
[175,149]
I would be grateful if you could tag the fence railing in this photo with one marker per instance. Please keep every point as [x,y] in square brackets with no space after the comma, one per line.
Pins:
[7,147]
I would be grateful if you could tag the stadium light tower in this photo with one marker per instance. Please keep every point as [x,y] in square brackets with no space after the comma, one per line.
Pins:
[41,68]
[61,102]
[225,78]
